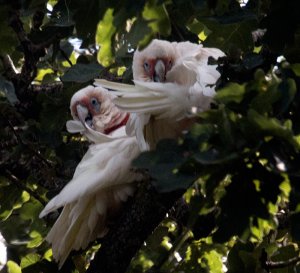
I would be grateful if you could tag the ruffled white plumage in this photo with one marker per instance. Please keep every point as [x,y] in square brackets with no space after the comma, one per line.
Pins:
[161,110]
[103,165]
[102,180]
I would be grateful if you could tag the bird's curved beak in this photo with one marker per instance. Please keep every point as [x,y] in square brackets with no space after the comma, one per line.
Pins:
[83,114]
[159,74]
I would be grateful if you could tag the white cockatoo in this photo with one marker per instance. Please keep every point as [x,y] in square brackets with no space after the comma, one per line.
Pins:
[173,82]
[3,252]
[102,180]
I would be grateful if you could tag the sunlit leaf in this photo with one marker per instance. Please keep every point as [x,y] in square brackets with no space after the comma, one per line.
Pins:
[13,267]
[42,73]
[36,239]
[157,16]
[226,36]
[13,199]
[232,93]
[271,127]
[200,29]
[214,261]
[29,259]
[105,31]
[48,254]
[30,210]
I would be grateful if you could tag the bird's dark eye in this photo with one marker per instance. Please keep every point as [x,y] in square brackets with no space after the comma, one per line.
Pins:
[94,101]
[146,66]
[95,104]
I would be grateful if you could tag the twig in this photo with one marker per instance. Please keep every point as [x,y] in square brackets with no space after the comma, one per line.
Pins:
[9,67]
[36,152]
[29,68]
[282,264]
[14,131]
[65,56]
[32,52]
[268,265]
[46,88]
[177,30]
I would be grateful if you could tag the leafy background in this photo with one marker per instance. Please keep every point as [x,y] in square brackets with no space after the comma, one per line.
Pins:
[238,167]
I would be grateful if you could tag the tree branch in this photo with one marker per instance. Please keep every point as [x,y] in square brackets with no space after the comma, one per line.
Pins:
[29,68]
[139,218]
[282,264]
[268,265]
[65,56]
[32,51]
[9,68]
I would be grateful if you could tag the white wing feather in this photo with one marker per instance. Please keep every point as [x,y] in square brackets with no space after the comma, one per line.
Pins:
[102,180]
[158,106]
[154,98]
[114,85]
[84,220]
[104,165]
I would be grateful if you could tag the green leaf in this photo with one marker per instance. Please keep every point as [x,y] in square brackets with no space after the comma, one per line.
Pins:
[85,15]
[166,166]
[138,31]
[233,35]
[252,60]
[82,73]
[214,262]
[237,258]
[213,157]
[31,210]
[13,199]
[233,92]
[271,127]
[157,16]
[199,29]
[13,267]
[263,102]
[105,32]
[36,239]
[240,193]
[29,259]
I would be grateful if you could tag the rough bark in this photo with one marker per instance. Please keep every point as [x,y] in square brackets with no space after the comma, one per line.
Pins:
[141,215]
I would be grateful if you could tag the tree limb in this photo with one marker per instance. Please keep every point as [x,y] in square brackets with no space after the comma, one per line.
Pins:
[9,68]
[32,52]
[268,265]
[139,218]
[29,68]
[282,264]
